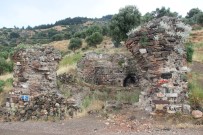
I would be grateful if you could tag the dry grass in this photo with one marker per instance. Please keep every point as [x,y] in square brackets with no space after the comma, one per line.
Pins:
[196,36]
[95,106]
[66,69]
[60,45]
[6,76]
[198,56]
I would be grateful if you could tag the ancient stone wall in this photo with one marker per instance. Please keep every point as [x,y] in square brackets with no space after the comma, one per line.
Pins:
[106,69]
[159,50]
[35,70]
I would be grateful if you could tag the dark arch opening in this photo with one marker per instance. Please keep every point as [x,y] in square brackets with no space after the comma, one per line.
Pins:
[131,79]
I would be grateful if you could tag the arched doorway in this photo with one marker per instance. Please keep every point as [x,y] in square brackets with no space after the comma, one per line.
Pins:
[130,80]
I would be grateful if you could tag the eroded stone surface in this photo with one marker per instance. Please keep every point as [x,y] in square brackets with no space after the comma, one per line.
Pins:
[106,69]
[159,51]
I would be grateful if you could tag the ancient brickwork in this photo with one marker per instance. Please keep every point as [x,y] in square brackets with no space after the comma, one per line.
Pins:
[106,69]
[159,50]
[35,70]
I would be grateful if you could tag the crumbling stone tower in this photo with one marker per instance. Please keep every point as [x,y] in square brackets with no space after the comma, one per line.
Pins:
[159,50]
[35,70]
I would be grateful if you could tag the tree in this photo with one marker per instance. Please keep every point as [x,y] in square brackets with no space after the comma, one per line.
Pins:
[163,12]
[94,39]
[200,18]
[57,37]
[14,35]
[193,12]
[93,29]
[194,16]
[75,43]
[123,22]
[147,17]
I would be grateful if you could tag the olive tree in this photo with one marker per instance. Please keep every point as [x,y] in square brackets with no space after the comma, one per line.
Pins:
[75,43]
[121,23]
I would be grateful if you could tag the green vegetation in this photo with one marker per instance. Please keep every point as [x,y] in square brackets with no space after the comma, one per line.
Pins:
[7,83]
[70,59]
[159,12]
[194,16]
[86,101]
[196,91]
[2,83]
[144,40]
[121,23]
[5,66]
[189,51]
[75,43]
[127,96]
[94,39]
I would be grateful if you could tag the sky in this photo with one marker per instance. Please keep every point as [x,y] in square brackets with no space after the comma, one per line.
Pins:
[36,12]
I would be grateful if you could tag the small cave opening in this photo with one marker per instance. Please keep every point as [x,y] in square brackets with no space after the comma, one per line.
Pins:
[130,80]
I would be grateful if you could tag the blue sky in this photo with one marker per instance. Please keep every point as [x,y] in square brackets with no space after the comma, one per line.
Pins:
[35,12]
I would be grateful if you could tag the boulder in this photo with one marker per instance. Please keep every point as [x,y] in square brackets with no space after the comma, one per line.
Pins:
[196,114]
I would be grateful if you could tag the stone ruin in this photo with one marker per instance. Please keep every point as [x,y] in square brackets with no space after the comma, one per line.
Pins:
[107,69]
[35,70]
[35,94]
[160,54]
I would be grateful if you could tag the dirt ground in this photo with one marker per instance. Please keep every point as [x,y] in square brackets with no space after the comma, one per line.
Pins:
[125,122]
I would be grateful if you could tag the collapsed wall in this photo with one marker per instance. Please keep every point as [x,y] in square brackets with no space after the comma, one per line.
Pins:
[35,94]
[158,48]
[107,69]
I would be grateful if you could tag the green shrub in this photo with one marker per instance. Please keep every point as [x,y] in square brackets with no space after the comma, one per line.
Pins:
[93,29]
[2,83]
[4,54]
[75,43]
[94,39]
[80,34]
[189,52]
[195,95]
[5,66]
[86,101]
[57,37]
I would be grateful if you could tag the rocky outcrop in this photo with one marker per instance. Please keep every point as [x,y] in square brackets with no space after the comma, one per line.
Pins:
[159,51]
[106,69]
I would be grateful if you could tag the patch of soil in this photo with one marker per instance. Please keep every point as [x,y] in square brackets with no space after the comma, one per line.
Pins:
[197,67]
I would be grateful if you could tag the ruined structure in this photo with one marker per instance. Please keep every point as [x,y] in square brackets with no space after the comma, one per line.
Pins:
[159,51]
[107,69]
[35,94]
[35,70]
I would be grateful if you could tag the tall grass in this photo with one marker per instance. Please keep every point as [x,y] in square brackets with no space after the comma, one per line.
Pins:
[195,92]
[127,97]
[70,59]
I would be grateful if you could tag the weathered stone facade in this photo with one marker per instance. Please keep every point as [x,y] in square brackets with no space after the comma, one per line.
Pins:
[106,69]
[35,70]
[159,50]
[35,94]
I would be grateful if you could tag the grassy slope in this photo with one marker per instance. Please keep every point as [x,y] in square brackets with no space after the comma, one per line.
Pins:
[196,76]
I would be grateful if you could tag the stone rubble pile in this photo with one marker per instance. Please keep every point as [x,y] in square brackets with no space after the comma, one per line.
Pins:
[158,48]
[43,106]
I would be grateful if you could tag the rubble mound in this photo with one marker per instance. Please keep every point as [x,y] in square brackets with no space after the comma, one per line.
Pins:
[160,54]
